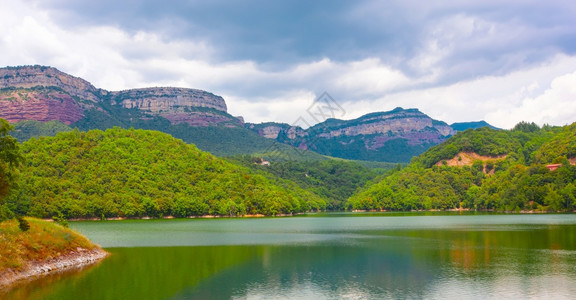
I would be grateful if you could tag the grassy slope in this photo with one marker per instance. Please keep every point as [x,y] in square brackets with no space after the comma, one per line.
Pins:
[43,240]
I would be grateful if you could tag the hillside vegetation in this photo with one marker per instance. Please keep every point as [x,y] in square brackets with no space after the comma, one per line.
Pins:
[333,180]
[514,179]
[43,240]
[218,140]
[26,130]
[137,173]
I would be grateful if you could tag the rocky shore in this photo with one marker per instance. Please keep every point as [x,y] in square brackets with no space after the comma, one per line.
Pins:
[71,260]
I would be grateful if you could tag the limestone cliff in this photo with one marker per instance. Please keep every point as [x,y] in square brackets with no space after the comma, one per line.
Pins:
[45,93]
[178,105]
[167,98]
[32,76]
[397,121]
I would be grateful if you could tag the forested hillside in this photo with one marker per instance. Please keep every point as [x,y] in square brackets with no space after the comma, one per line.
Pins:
[136,173]
[28,129]
[218,140]
[333,180]
[509,171]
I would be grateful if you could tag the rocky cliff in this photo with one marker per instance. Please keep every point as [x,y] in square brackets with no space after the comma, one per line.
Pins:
[167,98]
[178,105]
[395,136]
[397,121]
[32,76]
[40,104]
[45,94]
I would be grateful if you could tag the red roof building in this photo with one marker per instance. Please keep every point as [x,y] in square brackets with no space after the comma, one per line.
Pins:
[553,167]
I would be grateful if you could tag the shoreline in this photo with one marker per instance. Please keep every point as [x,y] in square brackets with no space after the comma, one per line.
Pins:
[465,210]
[36,269]
[298,214]
[173,217]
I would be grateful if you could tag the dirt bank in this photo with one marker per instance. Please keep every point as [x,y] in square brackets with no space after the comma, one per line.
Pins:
[74,259]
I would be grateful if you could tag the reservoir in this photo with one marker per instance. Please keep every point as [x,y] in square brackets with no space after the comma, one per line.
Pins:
[325,256]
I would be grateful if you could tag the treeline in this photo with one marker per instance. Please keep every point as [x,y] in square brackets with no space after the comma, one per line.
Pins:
[519,181]
[137,173]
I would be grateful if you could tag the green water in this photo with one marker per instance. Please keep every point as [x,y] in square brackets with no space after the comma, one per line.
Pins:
[332,256]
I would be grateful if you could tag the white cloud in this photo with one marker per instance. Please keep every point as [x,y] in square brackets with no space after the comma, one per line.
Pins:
[288,108]
[556,105]
[106,56]
[541,94]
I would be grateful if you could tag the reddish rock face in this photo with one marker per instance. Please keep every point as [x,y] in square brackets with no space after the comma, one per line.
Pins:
[20,106]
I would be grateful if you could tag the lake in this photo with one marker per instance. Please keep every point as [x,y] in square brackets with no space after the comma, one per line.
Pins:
[325,256]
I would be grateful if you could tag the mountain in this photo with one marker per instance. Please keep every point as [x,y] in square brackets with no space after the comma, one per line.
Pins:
[393,136]
[45,94]
[461,126]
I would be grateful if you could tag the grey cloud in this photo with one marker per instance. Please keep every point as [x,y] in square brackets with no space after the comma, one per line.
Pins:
[280,34]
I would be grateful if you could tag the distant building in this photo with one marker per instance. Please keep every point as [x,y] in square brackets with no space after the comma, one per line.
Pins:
[553,167]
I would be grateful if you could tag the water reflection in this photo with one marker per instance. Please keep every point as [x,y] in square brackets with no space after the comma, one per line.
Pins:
[331,258]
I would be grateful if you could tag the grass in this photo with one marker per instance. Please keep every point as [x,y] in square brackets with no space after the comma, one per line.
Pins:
[44,240]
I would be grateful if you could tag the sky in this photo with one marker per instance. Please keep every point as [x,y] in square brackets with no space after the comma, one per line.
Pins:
[502,61]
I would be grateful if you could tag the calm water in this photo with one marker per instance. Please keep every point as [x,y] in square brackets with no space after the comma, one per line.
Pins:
[334,256]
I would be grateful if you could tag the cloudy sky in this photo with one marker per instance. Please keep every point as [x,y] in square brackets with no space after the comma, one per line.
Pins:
[502,61]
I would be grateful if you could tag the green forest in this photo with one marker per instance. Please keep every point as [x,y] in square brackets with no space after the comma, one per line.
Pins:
[140,173]
[514,178]
[143,173]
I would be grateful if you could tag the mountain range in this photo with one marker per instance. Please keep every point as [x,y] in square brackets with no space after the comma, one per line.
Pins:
[45,94]
[394,136]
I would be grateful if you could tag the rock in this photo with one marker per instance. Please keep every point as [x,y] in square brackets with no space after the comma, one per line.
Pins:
[32,76]
[166,99]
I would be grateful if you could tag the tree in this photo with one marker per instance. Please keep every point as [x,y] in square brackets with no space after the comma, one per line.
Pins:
[10,159]
[526,127]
